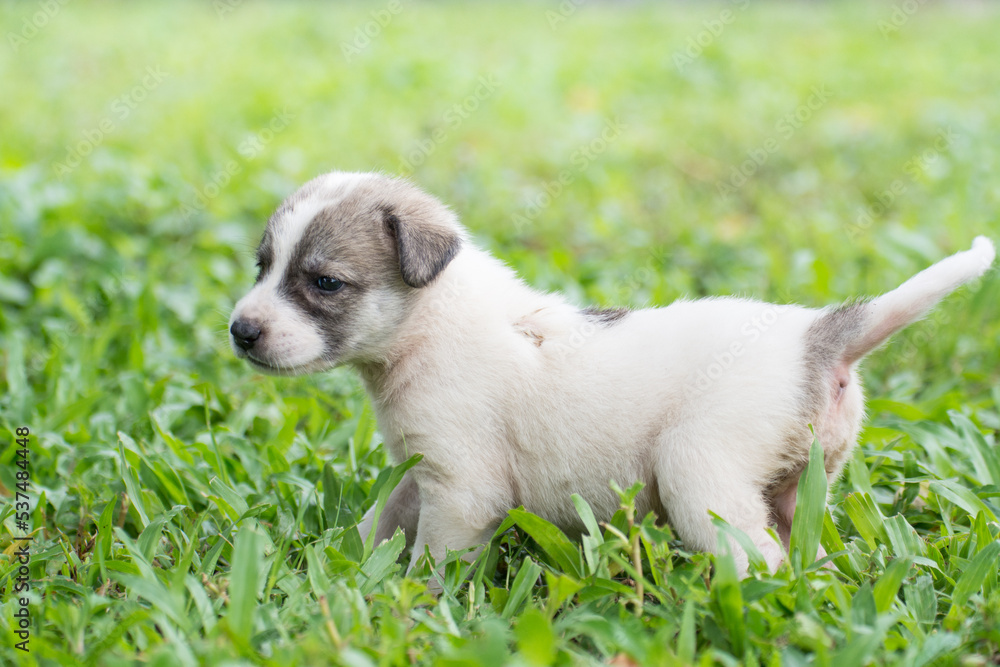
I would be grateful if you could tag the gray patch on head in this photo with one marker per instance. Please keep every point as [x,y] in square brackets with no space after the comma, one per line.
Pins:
[605,316]
[265,255]
[423,251]
[351,240]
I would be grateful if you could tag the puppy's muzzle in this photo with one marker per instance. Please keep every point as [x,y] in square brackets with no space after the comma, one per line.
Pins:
[245,333]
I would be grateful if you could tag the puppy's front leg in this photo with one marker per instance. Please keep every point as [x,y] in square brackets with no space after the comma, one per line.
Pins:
[402,510]
[442,526]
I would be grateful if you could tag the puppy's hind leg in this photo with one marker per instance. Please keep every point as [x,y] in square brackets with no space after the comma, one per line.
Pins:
[694,480]
[402,510]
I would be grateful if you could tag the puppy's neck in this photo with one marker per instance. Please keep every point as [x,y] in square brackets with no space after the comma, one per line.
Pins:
[454,321]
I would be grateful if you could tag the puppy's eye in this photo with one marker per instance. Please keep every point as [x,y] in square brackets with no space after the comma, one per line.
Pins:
[328,284]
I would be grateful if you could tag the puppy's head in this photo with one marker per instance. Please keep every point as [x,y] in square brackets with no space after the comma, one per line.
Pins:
[340,262]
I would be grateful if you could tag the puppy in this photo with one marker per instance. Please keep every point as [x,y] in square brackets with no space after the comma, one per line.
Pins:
[515,397]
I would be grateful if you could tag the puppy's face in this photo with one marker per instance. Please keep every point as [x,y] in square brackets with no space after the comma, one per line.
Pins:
[339,263]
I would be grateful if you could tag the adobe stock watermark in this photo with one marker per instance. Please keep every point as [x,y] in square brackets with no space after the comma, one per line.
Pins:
[712,30]
[370,30]
[901,13]
[912,169]
[724,358]
[561,14]
[223,7]
[580,159]
[640,277]
[453,117]
[248,150]
[121,108]
[115,287]
[785,128]
[31,26]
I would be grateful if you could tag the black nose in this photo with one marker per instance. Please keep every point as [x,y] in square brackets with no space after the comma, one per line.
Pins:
[245,333]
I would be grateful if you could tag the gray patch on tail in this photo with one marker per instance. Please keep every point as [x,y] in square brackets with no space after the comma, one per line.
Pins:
[826,342]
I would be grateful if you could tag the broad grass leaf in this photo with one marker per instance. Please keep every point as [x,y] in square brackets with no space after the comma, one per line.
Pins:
[233,504]
[810,506]
[905,543]
[962,497]
[863,609]
[131,478]
[985,459]
[888,584]
[121,626]
[687,638]
[981,530]
[835,548]
[921,599]
[861,645]
[866,517]
[552,540]
[244,580]
[365,430]
[536,639]
[984,566]
[149,539]
[754,555]
[902,538]
[561,588]
[858,473]
[727,597]
[593,539]
[202,604]
[317,576]
[521,589]
[105,534]
[382,562]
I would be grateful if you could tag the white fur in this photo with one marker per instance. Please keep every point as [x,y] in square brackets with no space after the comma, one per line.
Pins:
[515,397]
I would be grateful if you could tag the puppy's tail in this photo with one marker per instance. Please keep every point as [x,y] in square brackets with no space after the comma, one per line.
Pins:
[857,329]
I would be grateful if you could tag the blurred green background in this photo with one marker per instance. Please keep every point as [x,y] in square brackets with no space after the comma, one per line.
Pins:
[625,153]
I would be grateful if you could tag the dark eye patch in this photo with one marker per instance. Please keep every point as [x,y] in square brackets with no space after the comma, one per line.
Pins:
[328,284]
[265,255]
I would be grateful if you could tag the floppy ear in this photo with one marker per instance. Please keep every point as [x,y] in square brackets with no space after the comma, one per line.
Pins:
[424,249]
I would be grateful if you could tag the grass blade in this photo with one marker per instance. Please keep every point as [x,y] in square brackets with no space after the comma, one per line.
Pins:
[131,478]
[867,518]
[984,458]
[888,584]
[244,580]
[552,540]
[521,589]
[382,562]
[975,576]
[810,506]
[962,497]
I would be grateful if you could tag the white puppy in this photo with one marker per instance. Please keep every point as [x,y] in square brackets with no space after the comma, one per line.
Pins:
[519,398]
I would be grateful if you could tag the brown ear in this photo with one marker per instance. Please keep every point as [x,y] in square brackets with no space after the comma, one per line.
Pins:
[424,249]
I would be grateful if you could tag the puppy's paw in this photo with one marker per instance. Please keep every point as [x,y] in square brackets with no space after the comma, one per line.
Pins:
[773,554]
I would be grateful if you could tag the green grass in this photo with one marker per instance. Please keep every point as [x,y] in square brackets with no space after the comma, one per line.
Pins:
[186,511]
